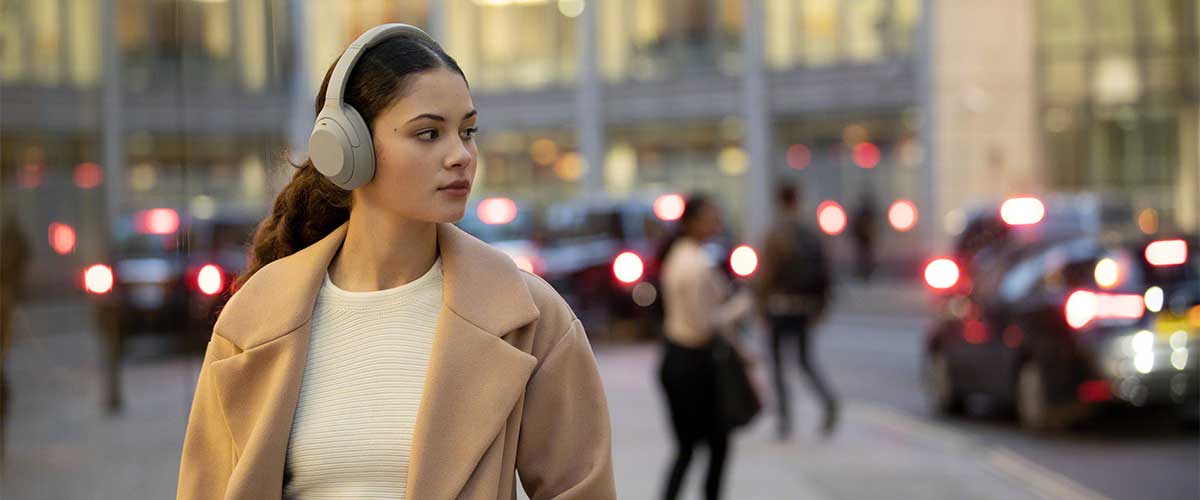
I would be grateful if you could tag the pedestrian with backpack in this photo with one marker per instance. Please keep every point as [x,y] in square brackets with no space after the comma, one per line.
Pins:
[793,290]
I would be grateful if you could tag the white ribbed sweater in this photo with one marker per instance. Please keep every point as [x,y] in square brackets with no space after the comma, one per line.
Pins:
[367,361]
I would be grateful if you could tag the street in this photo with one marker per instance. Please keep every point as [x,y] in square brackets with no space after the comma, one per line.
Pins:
[61,446]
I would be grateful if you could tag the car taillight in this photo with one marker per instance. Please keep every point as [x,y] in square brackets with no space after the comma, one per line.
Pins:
[628,267]
[941,274]
[1083,307]
[210,279]
[1167,252]
[744,261]
[98,279]
[1022,211]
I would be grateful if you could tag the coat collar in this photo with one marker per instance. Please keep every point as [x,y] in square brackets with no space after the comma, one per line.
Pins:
[474,380]
[480,283]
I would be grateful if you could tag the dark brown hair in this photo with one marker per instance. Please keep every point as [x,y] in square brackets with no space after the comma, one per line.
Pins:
[310,206]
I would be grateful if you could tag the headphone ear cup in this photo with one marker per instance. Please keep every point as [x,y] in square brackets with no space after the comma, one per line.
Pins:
[363,150]
[329,147]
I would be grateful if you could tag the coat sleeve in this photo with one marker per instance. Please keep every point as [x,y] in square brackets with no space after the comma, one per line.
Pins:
[565,446]
[208,452]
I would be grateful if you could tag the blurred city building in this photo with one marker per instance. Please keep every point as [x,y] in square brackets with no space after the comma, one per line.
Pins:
[109,106]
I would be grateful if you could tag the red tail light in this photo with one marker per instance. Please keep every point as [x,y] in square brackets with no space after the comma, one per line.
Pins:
[744,261]
[628,267]
[1083,307]
[157,221]
[1095,391]
[210,279]
[1167,252]
[1022,211]
[941,274]
[98,279]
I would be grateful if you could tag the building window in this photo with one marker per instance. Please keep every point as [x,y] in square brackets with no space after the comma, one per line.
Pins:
[332,26]
[658,39]
[824,32]
[505,45]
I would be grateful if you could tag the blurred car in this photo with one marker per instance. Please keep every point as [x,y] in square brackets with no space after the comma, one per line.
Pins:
[1024,220]
[508,225]
[604,254]
[1059,327]
[168,274]
[597,252]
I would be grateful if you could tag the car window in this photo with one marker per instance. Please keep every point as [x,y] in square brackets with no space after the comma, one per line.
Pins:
[1022,278]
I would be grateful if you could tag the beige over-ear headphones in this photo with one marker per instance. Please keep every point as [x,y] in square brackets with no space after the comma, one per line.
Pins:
[340,145]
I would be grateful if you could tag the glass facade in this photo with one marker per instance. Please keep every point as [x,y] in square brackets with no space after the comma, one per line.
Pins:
[536,166]
[660,39]
[1119,95]
[805,33]
[510,45]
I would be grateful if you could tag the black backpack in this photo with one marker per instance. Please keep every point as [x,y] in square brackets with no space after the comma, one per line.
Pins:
[805,270]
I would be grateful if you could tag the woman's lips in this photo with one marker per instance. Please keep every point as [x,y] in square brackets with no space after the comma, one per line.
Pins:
[460,188]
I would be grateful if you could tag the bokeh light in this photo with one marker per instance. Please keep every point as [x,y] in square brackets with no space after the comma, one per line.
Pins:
[831,217]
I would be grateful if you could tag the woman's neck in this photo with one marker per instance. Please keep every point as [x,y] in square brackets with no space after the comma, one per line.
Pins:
[382,252]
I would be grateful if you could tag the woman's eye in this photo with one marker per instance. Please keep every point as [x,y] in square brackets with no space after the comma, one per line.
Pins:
[470,133]
[428,135]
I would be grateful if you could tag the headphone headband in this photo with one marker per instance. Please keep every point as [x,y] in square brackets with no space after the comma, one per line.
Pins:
[372,37]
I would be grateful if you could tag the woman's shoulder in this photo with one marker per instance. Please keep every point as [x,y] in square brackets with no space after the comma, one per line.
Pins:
[555,316]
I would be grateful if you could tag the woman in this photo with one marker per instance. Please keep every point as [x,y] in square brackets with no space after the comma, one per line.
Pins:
[372,349]
[697,305]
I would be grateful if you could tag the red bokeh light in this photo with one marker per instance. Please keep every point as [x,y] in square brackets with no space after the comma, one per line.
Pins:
[1022,211]
[158,221]
[497,211]
[744,261]
[88,175]
[628,267]
[799,156]
[1167,252]
[831,217]
[98,279]
[866,155]
[31,176]
[669,207]
[62,238]
[903,215]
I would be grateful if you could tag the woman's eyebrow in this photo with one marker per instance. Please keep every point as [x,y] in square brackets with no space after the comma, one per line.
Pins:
[441,118]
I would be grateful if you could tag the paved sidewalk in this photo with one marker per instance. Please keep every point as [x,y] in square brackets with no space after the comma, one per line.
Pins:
[875,454]
[61,446]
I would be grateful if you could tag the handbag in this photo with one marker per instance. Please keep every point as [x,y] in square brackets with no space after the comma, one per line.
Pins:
[737,399]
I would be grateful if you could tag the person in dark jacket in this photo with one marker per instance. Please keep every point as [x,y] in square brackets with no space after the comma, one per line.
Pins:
[793,290]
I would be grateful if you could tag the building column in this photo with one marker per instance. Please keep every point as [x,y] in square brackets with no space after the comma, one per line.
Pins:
[756,188]
[300,91]
[112,144]
[931,218]
[589,115]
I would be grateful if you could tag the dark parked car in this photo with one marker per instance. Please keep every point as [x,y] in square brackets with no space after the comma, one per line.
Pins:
[1058,327]
[168,274]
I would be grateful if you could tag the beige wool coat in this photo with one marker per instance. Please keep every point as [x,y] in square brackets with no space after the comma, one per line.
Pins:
[512,386]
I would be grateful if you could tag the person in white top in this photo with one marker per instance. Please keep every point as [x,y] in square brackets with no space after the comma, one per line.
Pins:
[347,364]
[697,304]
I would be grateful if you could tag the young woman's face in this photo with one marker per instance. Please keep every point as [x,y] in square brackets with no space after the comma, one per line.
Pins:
[425,153]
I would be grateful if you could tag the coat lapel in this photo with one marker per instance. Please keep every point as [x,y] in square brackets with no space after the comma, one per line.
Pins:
[475,378]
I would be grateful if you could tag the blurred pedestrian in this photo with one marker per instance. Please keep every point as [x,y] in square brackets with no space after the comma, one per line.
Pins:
[863,228]
[372,349]
[14,255]
[698,305]
[793,289]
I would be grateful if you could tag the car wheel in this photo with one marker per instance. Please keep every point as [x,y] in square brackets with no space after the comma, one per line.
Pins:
[1034,410]
[941,394]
